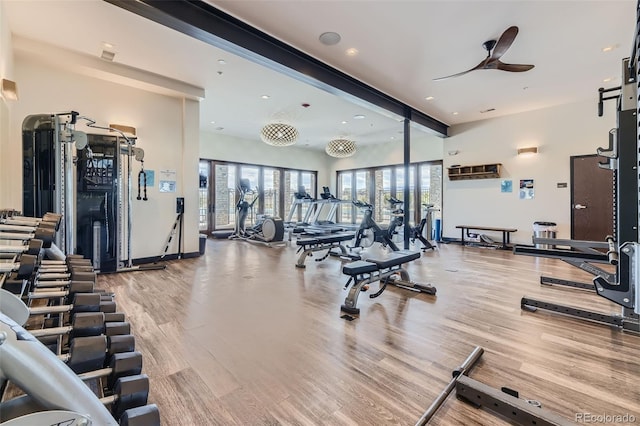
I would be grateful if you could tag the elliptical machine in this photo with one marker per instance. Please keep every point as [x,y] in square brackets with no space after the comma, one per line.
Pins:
[266,229]
[370,232]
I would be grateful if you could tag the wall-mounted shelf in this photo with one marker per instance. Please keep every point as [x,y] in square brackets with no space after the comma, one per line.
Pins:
[483,171]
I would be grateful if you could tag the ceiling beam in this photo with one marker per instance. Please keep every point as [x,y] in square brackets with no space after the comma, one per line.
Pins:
[213,26]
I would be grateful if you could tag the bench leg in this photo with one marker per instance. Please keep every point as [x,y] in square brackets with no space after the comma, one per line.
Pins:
[462,230]
[350,302]
[303,257]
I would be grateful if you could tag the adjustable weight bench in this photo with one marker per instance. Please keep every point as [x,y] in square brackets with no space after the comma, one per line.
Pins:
[310,245]
[381,269]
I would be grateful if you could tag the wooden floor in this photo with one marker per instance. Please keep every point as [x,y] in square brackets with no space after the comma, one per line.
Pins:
[241,337]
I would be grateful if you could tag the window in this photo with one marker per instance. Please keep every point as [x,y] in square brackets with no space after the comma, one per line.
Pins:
[377,185]
[203,197]
[272,188]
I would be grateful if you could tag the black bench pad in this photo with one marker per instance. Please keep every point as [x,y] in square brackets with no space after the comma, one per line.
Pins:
[325,240]
[394,259]
[359,267]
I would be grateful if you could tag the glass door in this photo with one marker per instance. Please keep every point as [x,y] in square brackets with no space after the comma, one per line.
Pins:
[204,203]
[345,192]
[308,180]
[290,188]
[381,212]
[271,192]
[252,197]
[224,207]
[362,191]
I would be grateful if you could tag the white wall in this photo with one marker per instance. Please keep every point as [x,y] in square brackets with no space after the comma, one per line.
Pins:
[6,71]
[217,146]
[558,132]
[167,130]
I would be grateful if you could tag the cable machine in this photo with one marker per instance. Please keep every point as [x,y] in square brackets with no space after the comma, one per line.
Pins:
[622,157]
[88,179]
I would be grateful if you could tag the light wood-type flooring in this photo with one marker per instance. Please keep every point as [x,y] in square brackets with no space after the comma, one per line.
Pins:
[240,336]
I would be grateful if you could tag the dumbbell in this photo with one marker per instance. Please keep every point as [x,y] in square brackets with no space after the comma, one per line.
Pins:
[122,386]
[76,275]
[14,275]
[33,247]
[89,301]
[71,262]
[51,219]
[26,233]
[68,291]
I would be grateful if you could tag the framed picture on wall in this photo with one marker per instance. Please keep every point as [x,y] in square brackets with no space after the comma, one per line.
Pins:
[526,189]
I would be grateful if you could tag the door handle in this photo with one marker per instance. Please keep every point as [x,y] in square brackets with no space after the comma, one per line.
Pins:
[579,207]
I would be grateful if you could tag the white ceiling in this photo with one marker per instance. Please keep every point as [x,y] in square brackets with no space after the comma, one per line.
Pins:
[403,46]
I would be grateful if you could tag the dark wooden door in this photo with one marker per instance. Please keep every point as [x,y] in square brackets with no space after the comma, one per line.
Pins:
[592,198]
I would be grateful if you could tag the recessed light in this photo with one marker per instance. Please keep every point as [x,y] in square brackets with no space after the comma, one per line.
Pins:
[352,52]
[108,45]
[344,122]
[222,61]
[429,98]
[358,117]
[393,137]
[606,80]
[609,48]
[213,122]
[265,96]
[329,38]
[455,113]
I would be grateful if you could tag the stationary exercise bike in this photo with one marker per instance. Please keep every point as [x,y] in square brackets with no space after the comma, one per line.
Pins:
[397,222]
[370,232]
[266,229]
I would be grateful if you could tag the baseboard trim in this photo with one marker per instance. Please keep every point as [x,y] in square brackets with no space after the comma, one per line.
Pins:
[174,256]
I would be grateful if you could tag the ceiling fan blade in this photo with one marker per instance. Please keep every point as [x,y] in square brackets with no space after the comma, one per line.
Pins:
[477,67]
[504,43]
[514,67]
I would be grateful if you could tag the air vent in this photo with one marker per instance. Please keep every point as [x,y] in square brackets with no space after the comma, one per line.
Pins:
[487,110]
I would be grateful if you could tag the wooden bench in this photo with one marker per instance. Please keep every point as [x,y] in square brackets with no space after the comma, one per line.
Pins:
[506,233]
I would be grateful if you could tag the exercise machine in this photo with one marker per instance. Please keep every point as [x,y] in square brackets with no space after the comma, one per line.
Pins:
[310,245]
[623,250]
[369,231]
[397,225]
[266,230]
[387,270]
[86,178]
[506,402]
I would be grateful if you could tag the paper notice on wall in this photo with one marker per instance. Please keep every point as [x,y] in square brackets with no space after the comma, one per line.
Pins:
[167,180]
[526,189]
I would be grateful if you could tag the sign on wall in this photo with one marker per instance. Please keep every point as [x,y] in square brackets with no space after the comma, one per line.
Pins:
[526,189]
[167,180]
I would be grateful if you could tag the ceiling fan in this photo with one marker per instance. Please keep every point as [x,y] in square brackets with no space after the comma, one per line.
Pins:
[495,49]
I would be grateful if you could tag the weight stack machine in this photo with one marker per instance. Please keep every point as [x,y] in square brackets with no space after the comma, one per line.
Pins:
[97,205]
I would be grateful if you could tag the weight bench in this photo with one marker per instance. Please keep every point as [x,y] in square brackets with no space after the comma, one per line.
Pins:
[381,269]
[506,233]
[310,245]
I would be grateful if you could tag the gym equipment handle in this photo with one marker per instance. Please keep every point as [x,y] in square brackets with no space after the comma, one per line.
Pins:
[462,370]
